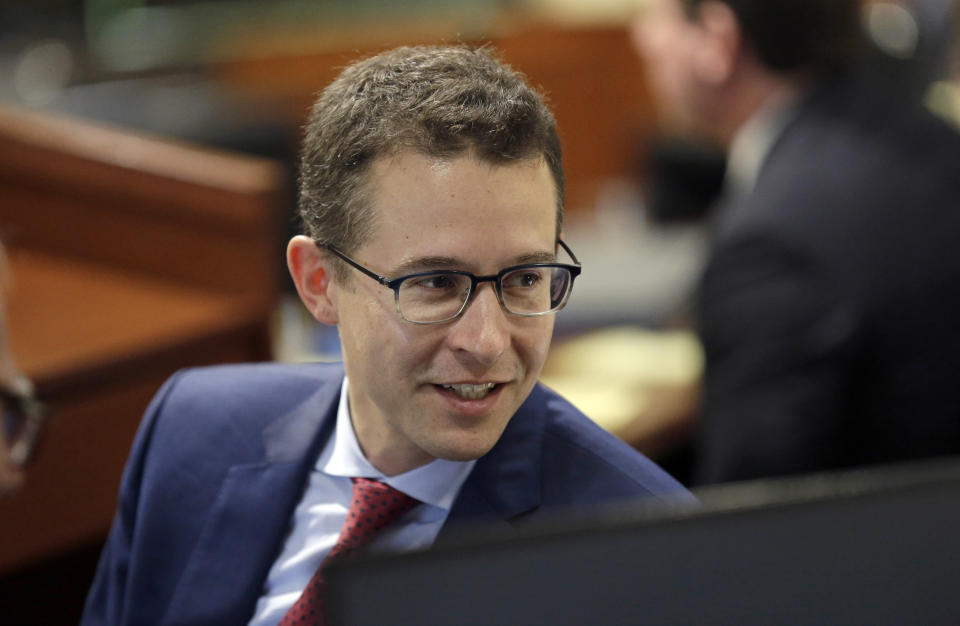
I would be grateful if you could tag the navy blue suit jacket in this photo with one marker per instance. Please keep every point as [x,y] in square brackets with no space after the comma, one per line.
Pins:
[222,458]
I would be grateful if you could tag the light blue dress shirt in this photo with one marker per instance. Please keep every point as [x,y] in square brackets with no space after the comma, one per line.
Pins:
[319,516]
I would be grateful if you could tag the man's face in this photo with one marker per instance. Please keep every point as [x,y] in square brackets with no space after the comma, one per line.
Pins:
[407,396]
[666,41]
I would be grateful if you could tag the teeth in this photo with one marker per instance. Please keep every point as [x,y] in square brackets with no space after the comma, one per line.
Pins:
[471,392]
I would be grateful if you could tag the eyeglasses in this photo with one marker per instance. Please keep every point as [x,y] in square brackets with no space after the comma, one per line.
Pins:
[435,297]
[23,419]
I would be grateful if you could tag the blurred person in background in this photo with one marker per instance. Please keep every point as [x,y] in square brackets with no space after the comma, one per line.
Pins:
[22,413]
[828,306]
[11,476]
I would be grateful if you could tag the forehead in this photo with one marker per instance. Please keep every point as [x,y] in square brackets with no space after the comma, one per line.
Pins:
[661,16]
[461,206]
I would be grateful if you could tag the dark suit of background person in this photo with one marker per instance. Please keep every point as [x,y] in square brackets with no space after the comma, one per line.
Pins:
[828,308]
[442,162]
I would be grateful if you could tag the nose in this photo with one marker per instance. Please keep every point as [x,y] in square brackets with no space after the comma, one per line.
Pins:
[482,332]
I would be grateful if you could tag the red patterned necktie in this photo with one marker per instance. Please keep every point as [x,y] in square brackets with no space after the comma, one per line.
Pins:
[375,505]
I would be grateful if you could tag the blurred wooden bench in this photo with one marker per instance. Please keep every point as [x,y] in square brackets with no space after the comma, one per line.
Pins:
[131,257]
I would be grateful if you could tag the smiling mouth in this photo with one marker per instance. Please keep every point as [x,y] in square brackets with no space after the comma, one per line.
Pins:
[469,391]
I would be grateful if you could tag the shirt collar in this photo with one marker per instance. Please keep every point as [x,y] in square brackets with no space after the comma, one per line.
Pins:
[753,142]
[436,483]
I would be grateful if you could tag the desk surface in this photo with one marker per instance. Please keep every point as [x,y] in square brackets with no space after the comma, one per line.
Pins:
[69,316]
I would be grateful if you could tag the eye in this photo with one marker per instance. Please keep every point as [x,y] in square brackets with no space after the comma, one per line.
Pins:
[523,279]
[438,282]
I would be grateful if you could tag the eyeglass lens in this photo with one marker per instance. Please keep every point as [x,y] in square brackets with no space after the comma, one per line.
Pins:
[524,291]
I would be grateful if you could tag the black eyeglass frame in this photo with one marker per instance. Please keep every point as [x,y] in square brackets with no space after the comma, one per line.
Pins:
[394,283]
[30,415]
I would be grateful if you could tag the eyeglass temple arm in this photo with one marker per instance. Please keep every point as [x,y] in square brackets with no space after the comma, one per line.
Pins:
[383,280]
[569,251]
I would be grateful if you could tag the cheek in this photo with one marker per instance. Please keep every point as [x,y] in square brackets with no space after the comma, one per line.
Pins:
[369,347]
[400,348]
[534,344]
[667,56]
[368,325]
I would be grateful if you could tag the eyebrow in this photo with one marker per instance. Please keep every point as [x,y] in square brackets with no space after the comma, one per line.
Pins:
[427,263]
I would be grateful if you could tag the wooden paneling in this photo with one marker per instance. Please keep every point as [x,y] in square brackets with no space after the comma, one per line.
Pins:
[140,203]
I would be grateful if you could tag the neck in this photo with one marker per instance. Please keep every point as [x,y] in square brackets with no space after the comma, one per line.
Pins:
[390,461]
[378,443]
[754,89]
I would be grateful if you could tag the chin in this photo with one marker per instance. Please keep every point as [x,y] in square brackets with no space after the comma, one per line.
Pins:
[456,441]
[465,451]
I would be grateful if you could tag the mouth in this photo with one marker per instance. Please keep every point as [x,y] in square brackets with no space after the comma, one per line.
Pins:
[469,391]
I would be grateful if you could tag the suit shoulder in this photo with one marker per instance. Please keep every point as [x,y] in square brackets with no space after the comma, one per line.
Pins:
[586,461]
[257,375]
[202,400]
[250,383]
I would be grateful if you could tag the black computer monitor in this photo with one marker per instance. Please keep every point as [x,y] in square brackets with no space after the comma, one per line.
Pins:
[877,546]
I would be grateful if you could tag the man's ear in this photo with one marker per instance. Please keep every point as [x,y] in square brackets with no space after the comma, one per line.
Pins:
[312,274]
[716,56]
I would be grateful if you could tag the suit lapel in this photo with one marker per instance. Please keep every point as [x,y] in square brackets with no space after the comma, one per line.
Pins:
[505,483]
[251,515]
[248,521]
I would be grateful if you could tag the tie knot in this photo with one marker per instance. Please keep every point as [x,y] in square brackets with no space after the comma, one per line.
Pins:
[374,506]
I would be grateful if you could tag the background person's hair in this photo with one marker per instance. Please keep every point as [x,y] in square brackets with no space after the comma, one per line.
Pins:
[442,101]
[812,36]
